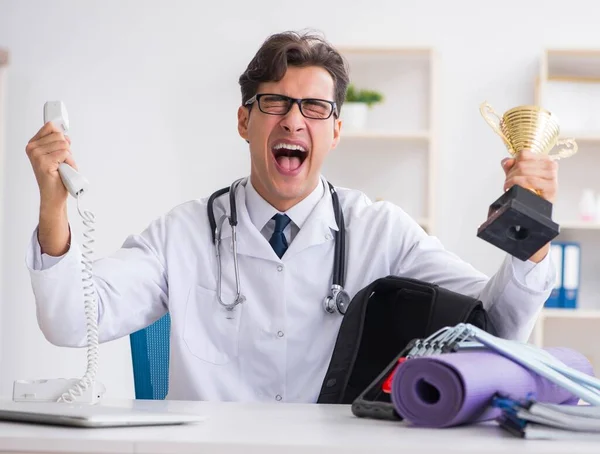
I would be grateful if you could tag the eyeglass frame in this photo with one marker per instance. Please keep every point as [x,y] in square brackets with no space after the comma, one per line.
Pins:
[256,98]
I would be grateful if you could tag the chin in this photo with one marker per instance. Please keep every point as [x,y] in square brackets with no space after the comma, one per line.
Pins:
[292,190]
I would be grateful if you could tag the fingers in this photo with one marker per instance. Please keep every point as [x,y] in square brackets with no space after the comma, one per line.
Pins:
[530,182]
[52,137]
[531,157]
[528,155]
[49,163]
[523,156]
[545,188]
[36,152]
[46,150]
[507,164]
[532,171]
[49,151]
[545,169]
[47,144]
[69,160]
[48,128]
[529,163]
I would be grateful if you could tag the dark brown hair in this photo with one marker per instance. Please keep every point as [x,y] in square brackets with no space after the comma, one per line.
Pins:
[294,49]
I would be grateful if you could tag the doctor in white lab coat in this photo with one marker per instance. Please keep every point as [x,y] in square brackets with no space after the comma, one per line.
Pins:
[276,345]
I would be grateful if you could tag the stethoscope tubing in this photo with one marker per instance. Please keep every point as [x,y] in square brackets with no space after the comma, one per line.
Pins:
[338,278]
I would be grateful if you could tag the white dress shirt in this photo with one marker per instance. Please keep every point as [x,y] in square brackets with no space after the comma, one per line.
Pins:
[278,343]
[261,212]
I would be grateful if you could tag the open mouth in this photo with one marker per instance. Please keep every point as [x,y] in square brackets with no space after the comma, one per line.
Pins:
[289,157]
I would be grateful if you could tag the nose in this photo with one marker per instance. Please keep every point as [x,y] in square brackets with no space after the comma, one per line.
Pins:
[293,121]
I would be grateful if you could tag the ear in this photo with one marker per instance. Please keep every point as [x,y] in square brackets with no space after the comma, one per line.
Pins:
[337,128]
[243,118]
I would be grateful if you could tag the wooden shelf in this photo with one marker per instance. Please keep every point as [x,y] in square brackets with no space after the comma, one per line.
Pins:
[575,79]
[573,52]
[570,313]
[386,135]
[579,225]
[581,136]
[573,65]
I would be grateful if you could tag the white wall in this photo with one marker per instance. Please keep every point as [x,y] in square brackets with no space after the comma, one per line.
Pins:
[151,89]
[3,88]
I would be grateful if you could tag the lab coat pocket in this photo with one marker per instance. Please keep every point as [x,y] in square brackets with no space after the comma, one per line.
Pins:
[211,332]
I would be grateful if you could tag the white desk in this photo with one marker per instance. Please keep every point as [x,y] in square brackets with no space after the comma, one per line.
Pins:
[274,428]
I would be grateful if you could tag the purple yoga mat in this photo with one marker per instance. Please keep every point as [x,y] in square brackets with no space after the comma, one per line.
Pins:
[456,388]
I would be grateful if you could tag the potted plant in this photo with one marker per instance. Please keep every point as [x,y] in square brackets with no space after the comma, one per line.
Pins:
[355,109]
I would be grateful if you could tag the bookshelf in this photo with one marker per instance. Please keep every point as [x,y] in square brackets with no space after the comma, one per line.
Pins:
[392,157]
[568,85]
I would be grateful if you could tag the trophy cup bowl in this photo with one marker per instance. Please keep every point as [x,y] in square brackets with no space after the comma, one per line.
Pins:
[520,220]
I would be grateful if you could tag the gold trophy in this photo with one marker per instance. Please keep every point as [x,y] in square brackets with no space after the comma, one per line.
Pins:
[520,221]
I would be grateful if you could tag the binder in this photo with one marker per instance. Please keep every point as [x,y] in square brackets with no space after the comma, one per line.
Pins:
[571,274]
[535,420]
[556,297]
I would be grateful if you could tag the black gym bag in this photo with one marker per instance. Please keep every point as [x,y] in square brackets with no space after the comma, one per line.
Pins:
[382,319]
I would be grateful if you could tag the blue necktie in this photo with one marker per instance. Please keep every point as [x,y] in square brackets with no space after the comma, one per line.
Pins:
[278,241]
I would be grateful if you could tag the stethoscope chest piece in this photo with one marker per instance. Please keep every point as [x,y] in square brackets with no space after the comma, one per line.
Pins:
[338,301]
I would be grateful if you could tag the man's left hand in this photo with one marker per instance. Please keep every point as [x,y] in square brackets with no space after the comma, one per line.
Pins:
[533,171]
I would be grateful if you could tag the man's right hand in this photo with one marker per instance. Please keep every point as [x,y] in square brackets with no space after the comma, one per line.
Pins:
[46,151]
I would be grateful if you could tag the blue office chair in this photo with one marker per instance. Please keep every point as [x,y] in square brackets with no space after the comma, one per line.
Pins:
[150,359]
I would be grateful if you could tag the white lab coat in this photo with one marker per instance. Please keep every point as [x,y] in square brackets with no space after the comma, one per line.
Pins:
[279,342]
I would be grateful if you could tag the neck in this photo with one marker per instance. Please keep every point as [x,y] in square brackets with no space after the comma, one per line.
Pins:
[280,204]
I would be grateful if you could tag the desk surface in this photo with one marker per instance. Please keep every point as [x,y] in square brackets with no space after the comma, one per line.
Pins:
[274,428]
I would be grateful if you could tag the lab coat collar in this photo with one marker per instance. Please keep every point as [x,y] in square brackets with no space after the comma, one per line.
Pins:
[261,211]
[317,228]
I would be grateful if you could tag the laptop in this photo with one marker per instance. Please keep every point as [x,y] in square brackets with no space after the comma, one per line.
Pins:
[90,416]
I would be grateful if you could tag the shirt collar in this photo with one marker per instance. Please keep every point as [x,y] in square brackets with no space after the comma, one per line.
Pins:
[261,211]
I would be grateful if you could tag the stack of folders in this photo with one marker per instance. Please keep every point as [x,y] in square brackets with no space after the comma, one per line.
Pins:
[534,420]
[567,260]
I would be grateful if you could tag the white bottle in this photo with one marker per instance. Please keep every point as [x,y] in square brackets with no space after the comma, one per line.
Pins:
[587,206]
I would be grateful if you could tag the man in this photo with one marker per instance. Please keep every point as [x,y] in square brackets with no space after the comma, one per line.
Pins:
[276,345]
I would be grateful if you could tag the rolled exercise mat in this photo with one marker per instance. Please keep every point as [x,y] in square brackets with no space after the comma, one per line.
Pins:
[455,388]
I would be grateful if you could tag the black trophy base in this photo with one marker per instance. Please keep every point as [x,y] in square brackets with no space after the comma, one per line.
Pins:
[520,223]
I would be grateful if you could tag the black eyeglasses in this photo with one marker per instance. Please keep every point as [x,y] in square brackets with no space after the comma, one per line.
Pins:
[273,104]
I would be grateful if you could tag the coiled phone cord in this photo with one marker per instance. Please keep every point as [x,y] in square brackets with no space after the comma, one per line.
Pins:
[90,308]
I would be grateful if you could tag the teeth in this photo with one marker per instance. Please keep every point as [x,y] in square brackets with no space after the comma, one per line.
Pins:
[288,146]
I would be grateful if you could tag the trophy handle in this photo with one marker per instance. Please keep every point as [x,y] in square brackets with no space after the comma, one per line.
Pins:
[569,150]
[487,112]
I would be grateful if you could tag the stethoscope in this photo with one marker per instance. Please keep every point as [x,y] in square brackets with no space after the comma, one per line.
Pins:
[338,299]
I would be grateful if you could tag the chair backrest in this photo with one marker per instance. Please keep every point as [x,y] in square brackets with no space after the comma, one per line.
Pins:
[150,359]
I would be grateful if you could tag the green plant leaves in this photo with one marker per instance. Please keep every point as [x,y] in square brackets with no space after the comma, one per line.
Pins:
[368,97]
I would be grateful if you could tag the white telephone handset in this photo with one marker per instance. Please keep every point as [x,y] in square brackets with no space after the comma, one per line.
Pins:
[56,112]
[86,389]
